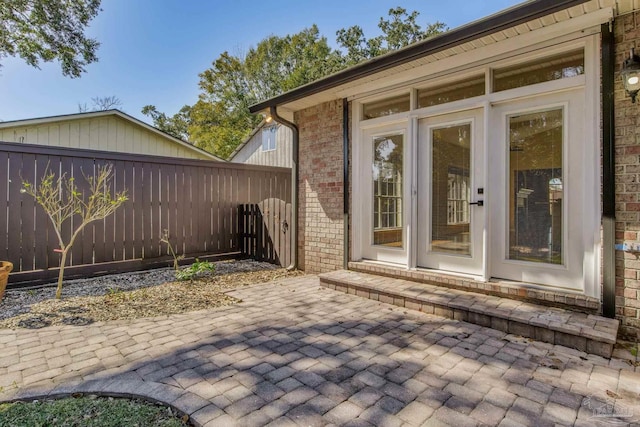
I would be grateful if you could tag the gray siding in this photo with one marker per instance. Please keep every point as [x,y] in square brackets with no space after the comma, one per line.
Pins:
[252,152]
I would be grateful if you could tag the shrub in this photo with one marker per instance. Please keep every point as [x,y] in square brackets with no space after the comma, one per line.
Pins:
[196,270]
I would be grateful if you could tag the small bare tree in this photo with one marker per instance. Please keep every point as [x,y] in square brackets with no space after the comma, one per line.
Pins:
[61,200]
[105,103]
[100,103]
[165,238]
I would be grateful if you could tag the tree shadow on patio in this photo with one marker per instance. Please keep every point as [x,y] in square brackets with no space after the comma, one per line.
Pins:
[318,362]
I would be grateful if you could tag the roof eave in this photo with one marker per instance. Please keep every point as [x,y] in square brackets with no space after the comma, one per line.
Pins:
[475,30]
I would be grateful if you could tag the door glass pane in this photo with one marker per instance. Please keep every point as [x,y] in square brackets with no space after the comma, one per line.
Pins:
[451,189]
[387,190]
[536,186]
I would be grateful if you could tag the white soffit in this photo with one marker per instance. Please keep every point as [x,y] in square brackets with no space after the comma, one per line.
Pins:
[577,18]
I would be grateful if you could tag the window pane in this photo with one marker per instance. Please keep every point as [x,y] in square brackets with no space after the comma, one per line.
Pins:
[536,186]
[545,70]
[451,192]
[474,86]
[386,107]
[269,138]
[387,190]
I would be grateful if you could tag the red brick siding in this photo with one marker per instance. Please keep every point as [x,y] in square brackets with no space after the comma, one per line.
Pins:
[627,152]
[320,225]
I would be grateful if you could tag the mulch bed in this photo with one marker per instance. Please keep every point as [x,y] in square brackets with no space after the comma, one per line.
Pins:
[161,299]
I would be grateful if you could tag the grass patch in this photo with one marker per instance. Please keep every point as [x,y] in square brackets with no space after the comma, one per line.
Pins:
[89,411]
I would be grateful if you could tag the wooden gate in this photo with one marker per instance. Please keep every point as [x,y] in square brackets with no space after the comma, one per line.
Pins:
[266,232]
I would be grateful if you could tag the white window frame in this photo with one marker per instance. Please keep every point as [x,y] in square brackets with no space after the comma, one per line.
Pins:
[457,214]
[395,213]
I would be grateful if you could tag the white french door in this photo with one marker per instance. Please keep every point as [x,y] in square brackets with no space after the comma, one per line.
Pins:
[538,233]
[451,209]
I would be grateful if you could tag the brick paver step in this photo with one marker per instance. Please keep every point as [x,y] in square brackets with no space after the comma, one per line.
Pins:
[585,332]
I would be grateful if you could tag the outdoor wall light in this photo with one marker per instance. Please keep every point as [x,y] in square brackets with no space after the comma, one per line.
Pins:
[631,75]
[269,119]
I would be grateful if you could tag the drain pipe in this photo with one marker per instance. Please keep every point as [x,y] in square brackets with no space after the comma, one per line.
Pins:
[608,172]
[294,185]
[345,180]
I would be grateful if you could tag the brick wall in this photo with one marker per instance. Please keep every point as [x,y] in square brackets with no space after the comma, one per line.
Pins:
[320,225]
[627,152]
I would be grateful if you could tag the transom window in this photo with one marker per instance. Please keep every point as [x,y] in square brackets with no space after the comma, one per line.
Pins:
[386,107]
[450,92]
[557,67]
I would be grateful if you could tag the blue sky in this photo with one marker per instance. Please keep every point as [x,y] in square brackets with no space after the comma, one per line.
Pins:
[153,50]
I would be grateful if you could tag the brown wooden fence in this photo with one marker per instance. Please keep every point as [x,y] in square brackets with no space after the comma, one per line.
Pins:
[196,201]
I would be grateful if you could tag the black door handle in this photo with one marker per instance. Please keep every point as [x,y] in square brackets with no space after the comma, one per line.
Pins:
[479,203]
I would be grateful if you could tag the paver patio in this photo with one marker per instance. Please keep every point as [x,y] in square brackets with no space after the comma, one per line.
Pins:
[293,353]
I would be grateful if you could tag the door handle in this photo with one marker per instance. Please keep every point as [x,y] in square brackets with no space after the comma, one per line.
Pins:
[478,203]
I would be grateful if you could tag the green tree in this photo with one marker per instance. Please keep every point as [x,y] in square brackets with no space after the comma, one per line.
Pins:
[48,30]
[279,64]
[176,125]
[220,120]
[217,128]
[400,29]
[356,46]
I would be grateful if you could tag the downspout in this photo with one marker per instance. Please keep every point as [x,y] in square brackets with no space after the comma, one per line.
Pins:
[608,172]
[345,180]
[294,185]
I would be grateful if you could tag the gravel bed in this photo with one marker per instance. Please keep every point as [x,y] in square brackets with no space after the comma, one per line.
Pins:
[19,301]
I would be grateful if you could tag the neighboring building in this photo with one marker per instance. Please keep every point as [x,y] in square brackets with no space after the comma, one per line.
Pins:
[268,145]
[490,152]
[110,130]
